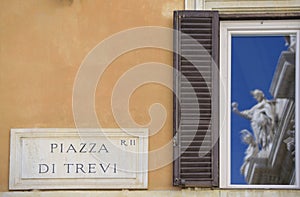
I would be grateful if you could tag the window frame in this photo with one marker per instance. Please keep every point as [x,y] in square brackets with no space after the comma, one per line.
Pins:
[229,28]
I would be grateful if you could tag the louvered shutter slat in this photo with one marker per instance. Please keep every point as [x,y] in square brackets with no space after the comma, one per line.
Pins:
[196,98]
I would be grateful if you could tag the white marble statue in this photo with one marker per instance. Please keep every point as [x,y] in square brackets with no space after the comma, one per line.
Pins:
[251,151]
[263,118]
[291,41]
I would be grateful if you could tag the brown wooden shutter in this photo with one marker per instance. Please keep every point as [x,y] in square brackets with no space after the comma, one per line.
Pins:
[196,104]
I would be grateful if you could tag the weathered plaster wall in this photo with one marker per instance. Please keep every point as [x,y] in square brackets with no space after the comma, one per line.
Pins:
[42,44]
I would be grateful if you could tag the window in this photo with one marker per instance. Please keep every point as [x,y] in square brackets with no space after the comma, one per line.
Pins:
[204,109]
[262,56]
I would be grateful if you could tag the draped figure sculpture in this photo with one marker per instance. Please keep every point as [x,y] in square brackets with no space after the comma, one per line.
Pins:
[251,151]
[263,119]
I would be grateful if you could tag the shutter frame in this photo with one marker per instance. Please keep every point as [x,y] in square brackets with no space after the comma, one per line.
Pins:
[180,132]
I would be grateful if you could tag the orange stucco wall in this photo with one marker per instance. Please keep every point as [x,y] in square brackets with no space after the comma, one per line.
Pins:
[42,44]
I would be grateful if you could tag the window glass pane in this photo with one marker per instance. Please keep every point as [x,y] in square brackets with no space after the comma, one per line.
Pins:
[256,108]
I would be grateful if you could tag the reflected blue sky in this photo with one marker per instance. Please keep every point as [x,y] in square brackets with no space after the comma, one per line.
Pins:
[254,59]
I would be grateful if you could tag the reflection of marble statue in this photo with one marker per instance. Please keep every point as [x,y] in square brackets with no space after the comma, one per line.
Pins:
[262,117]
[290,41]
[251,151]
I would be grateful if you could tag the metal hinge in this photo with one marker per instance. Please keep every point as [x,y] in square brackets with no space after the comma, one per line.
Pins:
[175,138]
[180,182]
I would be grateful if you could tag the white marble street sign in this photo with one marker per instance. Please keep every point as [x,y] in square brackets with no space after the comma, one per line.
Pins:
[78,159]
